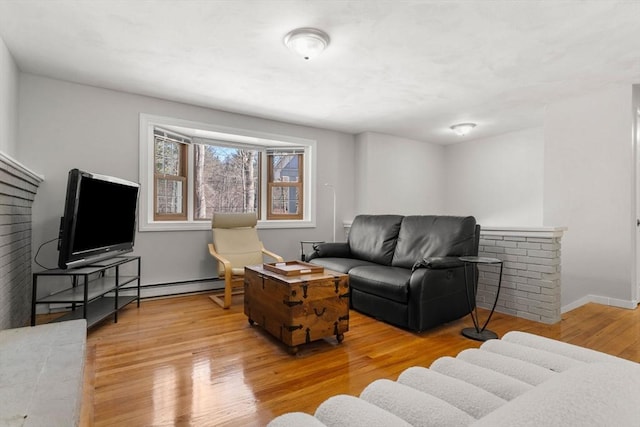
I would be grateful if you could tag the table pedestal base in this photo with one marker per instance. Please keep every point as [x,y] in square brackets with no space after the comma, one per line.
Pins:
[479,336]
[477,333]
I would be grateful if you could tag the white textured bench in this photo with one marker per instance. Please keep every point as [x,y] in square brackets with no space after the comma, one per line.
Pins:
[520,380]
[41,374]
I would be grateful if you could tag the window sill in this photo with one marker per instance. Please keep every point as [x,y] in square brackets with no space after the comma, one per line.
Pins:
[206,225]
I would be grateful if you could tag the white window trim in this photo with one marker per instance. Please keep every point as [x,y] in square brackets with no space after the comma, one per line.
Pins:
[145,204]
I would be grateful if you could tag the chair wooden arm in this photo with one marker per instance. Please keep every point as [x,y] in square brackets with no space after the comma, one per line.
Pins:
[228,279]
[223,260]
[228,274]
[277,257]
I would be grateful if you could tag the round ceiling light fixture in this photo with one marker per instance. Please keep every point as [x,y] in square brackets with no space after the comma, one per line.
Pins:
[462,129]
[307,42]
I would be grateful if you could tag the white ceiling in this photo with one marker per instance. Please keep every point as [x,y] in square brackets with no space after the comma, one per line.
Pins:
[406,68]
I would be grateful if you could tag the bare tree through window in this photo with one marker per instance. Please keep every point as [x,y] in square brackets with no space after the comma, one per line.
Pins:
[226,180]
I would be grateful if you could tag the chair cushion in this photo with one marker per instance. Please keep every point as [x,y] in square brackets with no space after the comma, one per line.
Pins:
[240,246]
[387,282]
[233,220]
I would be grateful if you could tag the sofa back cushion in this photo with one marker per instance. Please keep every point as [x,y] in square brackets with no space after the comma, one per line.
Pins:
[434,236]
[373,237]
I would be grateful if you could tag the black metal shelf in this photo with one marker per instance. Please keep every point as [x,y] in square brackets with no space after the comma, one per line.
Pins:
[97,287]
[88,297]
[97,310]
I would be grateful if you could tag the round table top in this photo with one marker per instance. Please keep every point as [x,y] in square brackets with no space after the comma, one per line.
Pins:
[480,260]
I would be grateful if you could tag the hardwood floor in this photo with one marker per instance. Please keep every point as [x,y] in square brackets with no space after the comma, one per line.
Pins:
[184,361]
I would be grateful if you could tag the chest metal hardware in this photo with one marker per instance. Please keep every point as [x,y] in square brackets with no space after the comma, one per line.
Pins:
[291,303]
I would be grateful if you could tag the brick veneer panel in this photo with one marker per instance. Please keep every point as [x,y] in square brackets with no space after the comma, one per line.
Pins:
[530,278]
[18,188]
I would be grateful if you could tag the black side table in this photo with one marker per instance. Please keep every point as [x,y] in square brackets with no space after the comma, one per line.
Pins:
[477,333]
[307,242]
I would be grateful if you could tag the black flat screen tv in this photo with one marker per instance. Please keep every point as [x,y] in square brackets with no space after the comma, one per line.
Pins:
[99,219]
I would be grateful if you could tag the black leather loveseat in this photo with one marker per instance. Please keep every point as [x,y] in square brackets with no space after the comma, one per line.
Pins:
[405,270]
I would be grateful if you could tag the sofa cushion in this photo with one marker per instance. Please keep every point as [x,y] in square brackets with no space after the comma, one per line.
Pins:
[515,368]
[413,406]
[561,348]
[345,411]
[502,385]
[341,265]
[433,236]
[387,282]
[595,394]
[373,237]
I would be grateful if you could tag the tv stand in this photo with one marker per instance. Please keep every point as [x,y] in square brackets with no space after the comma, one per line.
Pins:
[95,290]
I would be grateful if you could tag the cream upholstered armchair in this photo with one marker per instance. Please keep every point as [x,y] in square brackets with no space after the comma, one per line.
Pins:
[235,245]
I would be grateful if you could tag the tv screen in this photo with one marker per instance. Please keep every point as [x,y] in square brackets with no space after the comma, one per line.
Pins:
[99,219]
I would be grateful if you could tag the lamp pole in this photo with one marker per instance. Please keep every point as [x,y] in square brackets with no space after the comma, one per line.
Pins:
[333,189]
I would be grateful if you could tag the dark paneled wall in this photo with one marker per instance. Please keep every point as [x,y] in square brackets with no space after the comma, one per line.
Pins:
[18,188]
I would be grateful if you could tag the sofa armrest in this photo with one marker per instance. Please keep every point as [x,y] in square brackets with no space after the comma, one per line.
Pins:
[438,263]
[335,250]
[439,295]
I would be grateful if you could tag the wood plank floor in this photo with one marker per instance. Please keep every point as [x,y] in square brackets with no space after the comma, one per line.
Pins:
[184,361]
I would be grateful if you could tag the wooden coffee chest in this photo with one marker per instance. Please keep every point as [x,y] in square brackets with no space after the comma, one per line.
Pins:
[297,309]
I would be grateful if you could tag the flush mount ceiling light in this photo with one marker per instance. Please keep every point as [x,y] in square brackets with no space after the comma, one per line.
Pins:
[463,128]
[307,42]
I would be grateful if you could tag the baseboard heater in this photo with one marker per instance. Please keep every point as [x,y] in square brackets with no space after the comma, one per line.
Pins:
[167,289]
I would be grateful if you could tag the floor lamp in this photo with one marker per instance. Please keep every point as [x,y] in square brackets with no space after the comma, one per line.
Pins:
[334,208]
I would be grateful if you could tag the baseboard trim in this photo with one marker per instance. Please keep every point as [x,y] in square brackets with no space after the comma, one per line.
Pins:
[613,302]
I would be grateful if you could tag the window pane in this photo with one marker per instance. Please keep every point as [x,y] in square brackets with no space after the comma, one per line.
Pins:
[226,180]
[284,200]
[167,157]
[169,196]
[285,168]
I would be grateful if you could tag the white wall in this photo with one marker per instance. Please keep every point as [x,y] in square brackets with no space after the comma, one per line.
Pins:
[636,187]
[498,180]
[8,102]
[398,176]
[64,126]
[588,186]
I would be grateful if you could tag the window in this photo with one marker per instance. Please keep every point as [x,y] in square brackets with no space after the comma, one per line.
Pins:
[284,184]
[226,179]
[190,170]
[170,176]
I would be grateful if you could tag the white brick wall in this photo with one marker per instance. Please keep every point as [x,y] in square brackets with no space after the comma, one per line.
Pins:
[18,188]
[531,272]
